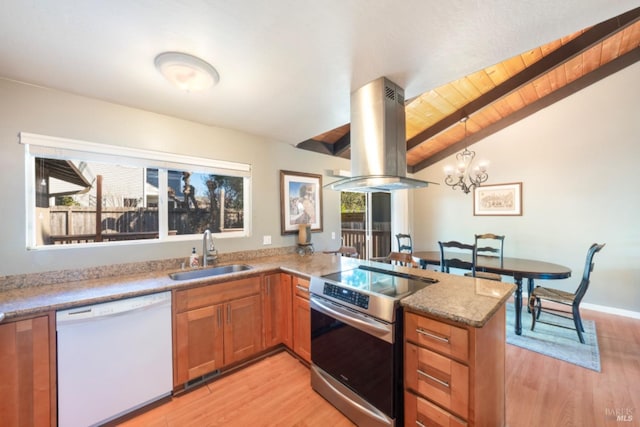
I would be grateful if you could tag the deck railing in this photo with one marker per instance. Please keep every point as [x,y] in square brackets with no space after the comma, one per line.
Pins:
[73,224]
[57,239]
[381,243]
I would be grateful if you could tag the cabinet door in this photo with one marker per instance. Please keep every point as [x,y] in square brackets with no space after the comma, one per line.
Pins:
[25,388]
[243,328]
[199,342]
[276,308]
[302,328]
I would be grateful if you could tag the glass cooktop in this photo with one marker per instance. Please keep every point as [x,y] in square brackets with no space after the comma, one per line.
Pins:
[380,281]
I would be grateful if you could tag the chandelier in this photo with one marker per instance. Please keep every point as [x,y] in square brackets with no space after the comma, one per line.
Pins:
[462,175]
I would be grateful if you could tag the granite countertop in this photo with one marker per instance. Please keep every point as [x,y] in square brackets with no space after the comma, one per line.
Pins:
[461,299]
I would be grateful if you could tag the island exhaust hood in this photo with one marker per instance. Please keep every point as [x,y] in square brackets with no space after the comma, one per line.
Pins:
[378,140]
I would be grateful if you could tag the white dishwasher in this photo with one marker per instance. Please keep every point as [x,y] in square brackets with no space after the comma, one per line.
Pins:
[113,357]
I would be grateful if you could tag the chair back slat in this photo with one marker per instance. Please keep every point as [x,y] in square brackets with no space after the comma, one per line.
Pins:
[405,243]
[451,253]
[494,249]
[588,269]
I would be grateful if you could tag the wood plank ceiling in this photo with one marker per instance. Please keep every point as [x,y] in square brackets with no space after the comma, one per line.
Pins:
[504,93]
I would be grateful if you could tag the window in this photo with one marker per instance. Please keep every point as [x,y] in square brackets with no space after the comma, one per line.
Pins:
[86,193]
[198,201]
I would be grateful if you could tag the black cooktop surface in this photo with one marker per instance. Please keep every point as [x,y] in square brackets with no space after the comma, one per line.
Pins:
[380,281]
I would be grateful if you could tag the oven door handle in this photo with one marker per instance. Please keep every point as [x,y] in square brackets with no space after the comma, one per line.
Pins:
[365,324]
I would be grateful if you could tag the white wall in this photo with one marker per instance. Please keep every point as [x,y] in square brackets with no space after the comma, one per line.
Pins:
[577,160]
[578,164]
[25,108]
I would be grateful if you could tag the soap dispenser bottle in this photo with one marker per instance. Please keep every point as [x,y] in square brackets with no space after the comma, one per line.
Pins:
[194,261]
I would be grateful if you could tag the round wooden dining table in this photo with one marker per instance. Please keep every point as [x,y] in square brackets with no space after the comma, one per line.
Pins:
[518,268]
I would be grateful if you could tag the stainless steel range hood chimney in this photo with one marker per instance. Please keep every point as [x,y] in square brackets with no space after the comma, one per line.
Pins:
[378,140]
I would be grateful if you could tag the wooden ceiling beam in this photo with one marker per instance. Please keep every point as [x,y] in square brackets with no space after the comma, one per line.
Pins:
[317,146]
[606,70]
[341,146]
[594,35]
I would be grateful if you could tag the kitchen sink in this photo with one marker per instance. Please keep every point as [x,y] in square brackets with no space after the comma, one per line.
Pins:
[209,272]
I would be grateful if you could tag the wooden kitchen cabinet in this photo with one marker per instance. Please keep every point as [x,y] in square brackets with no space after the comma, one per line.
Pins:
[215,325]
[454,374]
[27,369]
[301,318]
[199,343]
[243,329]
[276,309]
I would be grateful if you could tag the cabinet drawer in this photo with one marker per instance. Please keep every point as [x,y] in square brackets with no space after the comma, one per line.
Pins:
[441,337]
[438,378]
[420,412]
[301,287]
[214,294]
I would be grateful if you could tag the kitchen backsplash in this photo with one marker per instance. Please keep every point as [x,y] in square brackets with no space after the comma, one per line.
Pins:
[72,275]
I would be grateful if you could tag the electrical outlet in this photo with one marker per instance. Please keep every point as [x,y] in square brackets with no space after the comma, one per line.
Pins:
[266,240]
[333,235]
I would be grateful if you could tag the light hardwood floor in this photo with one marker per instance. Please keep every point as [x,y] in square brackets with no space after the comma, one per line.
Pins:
[541,391]
[272,392]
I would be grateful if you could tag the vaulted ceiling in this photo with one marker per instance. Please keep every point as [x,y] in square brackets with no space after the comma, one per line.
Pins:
[287,67]
[499,95]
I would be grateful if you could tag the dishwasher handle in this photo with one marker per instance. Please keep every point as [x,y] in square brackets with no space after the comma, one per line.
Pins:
[113,308]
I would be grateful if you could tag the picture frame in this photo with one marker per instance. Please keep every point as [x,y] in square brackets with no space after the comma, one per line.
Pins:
[498,200]
[300,201]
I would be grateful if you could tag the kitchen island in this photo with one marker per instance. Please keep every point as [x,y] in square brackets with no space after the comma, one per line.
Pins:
[453,299]
[454,352]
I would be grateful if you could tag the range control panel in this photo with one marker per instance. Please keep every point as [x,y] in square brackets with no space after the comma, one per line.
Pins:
[350,296]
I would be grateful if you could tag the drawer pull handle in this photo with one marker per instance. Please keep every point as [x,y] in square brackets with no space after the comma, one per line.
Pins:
[302,288]
[424,374]
[420,424]
[435,337]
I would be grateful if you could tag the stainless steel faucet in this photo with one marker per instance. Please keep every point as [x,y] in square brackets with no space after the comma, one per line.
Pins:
[209,252]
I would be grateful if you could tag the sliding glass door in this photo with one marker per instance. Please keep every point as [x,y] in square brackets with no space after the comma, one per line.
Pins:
[366,223]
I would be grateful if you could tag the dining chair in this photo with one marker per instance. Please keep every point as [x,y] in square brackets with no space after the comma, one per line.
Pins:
[563,297]
[348,251]
[405,243]
[489,245]
[452,253]
[401,258]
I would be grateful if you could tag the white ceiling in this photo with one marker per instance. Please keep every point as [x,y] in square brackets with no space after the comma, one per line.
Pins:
[286,67]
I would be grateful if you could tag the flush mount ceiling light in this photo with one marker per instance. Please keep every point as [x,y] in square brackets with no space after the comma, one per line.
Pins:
[186,71]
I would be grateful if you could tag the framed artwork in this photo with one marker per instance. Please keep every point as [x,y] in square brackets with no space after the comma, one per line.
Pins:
[498,199]
[300,201]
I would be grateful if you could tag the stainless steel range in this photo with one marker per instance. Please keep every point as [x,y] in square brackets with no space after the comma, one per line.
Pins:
[356,344]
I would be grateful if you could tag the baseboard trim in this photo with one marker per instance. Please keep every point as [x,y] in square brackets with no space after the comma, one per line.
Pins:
[600,308]
[611,310]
